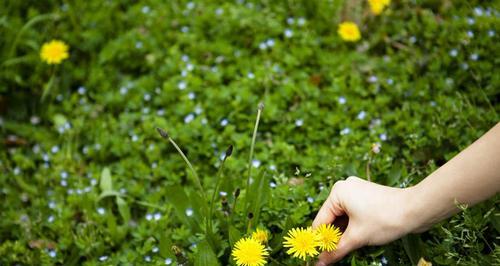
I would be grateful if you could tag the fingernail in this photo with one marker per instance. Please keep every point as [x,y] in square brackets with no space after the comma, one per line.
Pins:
[320,263]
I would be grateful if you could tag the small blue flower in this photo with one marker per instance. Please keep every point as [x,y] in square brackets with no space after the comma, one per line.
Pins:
[188,118]
[361,115]
[81,90]
[224,122]
[52,253]
[182,85]
[342,100]
[453,52]
[345,131]
[101,210]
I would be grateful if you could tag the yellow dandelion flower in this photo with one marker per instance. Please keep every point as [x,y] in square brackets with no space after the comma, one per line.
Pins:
[377,6]
[260,235]
[54,52]
[301,243]
[249,252]
[328,237]
[349,31]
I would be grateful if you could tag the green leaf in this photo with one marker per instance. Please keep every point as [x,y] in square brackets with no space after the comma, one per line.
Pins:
[413,247]
[234,235]
[353,260]
[394,175]
[277,242]
[108,193]
[259,195]
[47,88]
[165,246]
[205,255]
[177,196]
[111,226]
[106,183]
[123,209]
[59,120]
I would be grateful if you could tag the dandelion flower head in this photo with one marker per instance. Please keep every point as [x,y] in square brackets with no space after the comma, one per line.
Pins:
[301,243]
[328,237]
[260,235]
[54,52]
[349,31]
[249,252]
[377,6]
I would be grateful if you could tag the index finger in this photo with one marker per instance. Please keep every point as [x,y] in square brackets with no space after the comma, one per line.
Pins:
[329,210]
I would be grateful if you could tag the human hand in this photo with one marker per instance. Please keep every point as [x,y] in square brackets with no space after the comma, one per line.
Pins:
[377,215]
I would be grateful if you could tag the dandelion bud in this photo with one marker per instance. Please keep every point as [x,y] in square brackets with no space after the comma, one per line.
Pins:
[162,132]
[181,259]
[177,251]
[250,215]
[261,106]
[229,151]
[225,206]
[237,193]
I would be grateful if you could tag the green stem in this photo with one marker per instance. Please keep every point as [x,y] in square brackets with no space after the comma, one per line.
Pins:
[196,178]
[48,86]
[254,136]
[26,26]
[368,165]
[233,209]
[275,261]
[216,190]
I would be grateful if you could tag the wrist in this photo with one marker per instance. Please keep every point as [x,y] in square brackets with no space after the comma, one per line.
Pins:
[424,208]
[417,215]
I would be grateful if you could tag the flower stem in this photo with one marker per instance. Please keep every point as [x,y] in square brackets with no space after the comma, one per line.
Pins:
[217,183]
[254,136]
[196,178]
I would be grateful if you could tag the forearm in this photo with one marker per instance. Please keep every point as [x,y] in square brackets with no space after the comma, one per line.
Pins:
[470,177]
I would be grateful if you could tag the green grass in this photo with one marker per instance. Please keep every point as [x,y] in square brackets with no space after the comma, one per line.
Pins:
[86,179]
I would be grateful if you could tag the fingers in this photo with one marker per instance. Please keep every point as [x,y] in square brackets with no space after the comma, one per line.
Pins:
[346,244]
[330,208]
[325,215]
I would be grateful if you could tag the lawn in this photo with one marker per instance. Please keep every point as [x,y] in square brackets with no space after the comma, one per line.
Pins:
[86,178]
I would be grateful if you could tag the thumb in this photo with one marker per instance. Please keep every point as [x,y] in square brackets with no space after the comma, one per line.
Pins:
[348,242]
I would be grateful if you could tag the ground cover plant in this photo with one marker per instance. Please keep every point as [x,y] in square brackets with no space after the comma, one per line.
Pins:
[385,90]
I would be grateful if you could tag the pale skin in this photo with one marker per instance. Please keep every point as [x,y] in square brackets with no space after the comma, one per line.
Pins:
[380,214]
